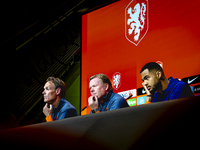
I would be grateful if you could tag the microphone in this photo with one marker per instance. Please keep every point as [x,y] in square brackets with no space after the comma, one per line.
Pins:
[130,95]
[84,108]
[94,99]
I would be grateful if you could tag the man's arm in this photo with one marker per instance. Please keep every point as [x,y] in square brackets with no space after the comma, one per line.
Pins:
[70,112]
[118,102]
[181,91]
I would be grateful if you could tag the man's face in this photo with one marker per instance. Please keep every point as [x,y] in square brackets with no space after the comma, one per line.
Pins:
[97,88]
[151,80]
[49,92]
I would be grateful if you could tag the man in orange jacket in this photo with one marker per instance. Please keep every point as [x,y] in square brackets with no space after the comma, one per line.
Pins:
[57,107]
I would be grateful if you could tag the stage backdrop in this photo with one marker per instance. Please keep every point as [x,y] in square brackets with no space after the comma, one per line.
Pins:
[120,38]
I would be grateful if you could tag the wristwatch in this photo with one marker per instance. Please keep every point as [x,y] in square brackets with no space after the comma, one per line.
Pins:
[94,110]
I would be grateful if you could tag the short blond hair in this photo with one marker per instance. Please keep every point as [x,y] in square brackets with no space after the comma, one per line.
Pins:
[104,78]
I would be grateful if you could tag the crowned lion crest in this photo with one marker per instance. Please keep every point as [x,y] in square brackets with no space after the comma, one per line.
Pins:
[136,21]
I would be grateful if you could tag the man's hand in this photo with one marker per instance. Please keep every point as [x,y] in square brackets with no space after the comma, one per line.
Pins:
[149,95]
[93,102]
[47,111]
[145,87]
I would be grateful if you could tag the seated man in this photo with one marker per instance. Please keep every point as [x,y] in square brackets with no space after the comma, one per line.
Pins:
[159,88]
[102,96]
[57,107]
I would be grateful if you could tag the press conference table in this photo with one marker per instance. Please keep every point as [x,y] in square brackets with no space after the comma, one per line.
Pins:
[171,124]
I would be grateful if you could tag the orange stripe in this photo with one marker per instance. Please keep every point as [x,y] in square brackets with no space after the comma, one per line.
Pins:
[98,111]
[49,118]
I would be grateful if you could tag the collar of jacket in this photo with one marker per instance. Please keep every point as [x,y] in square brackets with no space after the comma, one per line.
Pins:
[107,96]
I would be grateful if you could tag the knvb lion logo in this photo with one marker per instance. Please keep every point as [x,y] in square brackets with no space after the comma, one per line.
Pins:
[116,80]
[136,21]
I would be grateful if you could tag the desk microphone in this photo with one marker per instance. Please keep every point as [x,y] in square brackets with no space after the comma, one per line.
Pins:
[84,108]
[94,99]
[129,96]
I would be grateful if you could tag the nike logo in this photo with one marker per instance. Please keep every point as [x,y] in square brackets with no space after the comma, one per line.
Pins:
[143,91]
[190,81]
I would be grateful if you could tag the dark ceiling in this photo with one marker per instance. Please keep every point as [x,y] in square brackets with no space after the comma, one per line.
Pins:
[17,16]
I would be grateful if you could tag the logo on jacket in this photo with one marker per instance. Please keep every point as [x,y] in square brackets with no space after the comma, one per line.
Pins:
[136,21]
[116,80]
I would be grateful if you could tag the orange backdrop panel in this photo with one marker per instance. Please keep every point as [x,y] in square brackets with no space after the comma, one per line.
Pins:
[172,37]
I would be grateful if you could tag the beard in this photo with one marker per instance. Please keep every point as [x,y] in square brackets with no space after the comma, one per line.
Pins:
[156,87]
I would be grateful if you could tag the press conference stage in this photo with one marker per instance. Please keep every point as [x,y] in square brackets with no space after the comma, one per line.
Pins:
[170,124]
